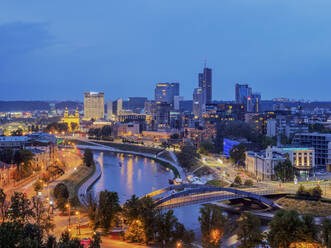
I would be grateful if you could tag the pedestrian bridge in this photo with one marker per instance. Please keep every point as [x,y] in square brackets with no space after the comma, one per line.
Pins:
[190,194]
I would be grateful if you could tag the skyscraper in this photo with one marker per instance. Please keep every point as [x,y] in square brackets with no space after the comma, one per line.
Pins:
[205,82]
[244,95]
[197,102]
[243,92]
[165,92]
[94,105]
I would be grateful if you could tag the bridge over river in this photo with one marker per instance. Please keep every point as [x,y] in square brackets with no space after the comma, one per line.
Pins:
[191,194]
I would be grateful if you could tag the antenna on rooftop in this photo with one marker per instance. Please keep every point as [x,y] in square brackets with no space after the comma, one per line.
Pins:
[205,62]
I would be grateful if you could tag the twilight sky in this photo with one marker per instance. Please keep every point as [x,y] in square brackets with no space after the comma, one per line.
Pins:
[56,50]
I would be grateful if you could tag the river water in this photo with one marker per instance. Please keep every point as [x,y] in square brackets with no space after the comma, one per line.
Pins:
[129,174]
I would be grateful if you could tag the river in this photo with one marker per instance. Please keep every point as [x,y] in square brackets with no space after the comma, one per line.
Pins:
[129,174]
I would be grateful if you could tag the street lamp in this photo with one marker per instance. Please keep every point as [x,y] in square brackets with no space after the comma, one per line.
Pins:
[179,244]
[68,206]
[78,214]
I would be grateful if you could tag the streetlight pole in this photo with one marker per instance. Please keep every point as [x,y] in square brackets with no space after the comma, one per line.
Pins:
[68,206]
[78,214]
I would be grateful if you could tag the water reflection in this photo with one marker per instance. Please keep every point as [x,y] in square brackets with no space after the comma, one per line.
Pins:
[137,175]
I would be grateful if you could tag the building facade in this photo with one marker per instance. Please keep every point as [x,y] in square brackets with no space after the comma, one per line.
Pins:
[94,105]
[321,143]
[165,92]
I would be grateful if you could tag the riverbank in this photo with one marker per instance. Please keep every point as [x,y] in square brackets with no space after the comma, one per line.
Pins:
[148,152]
[78,175]
[86,185]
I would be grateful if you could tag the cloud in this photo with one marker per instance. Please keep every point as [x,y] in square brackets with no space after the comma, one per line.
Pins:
[17,38]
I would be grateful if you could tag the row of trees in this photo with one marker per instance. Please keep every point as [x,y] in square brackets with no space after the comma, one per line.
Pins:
[27,223]
[105,131]
[188,156]
[59,127]
[139,218]
[286,228]
[22,158]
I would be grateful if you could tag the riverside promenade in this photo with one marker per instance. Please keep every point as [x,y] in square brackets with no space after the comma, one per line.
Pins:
[82,191]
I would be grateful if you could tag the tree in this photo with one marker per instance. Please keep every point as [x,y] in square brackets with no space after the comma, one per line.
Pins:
[135,232]
[212,223]
[249,182]
[96,241]
[3,208]
[51,242]
[88,158]
[20,210]
[61,195]
[92,211]
[237,180]
[206,147]
[284,171]
[10,234]
[108,208]
[23,157]
[18,132]
[188,156]
[286,228]
[316,192]
[308,230]
[326,232]
[183,235]
[249,231]
[38,186]
[165,224]
[41,215]
[61,191]
[237,154]
[67,242]
[131,209]
[147,214]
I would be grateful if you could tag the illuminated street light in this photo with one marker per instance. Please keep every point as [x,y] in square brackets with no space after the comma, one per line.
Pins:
[78,214]
[68,207]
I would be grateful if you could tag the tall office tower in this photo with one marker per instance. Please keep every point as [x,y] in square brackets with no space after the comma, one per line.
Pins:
[255,103]
[177,100]
[94,107]
[162,117]
[197,102]
[136,104]
[243,92]
[165,92]
[110,115]
[117,107]
[205,82]
[244,95]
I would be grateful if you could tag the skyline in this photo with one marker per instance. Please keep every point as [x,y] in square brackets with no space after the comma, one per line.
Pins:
[124,49]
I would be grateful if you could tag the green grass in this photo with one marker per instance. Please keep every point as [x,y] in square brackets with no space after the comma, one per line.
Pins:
[216,183]
[77,179]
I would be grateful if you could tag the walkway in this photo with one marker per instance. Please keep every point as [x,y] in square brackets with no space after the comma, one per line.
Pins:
[82,192]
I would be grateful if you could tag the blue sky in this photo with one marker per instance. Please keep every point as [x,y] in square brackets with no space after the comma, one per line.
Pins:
[59,49]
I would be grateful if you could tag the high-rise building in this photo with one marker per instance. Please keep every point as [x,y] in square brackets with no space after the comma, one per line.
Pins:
[244,95]
[165,92]
[136,104]
[197,102]
[110,115]
[177,100]
[162,117]
[118,106]
[94,105]
[321,142]
[243,92]
[205,83]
